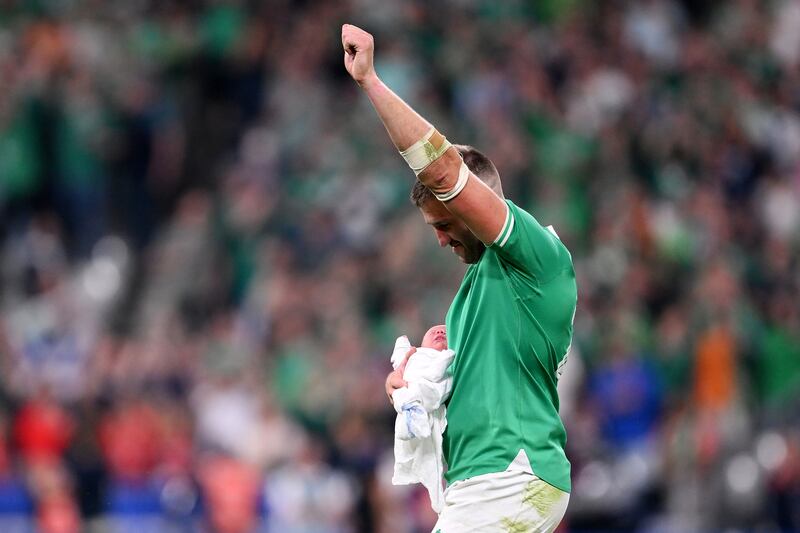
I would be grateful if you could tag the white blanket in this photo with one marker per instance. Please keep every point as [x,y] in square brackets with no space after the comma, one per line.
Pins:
[421,418]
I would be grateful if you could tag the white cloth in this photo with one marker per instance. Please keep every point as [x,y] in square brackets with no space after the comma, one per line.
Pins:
[421,418]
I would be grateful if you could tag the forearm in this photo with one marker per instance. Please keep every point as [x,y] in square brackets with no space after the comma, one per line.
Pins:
[405,127]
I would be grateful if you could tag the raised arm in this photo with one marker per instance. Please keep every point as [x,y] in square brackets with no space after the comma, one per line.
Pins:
[476,204]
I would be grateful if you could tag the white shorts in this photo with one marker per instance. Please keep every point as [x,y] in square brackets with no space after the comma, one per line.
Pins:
[505,502]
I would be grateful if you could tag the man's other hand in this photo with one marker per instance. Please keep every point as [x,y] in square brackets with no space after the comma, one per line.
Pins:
[358,49]
[395,379]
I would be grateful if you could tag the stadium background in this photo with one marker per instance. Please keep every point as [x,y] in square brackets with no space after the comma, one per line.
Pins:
[207,251]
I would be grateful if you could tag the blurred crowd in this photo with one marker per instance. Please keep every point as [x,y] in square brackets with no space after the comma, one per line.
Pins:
[208,250]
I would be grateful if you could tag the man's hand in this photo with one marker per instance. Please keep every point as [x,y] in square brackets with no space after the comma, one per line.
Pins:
[358,49]
[395,379]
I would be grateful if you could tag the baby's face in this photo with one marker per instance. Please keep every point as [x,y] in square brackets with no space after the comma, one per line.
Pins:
[435,338]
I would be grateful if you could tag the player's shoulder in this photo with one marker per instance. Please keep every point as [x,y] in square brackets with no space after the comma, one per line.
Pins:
[530,246]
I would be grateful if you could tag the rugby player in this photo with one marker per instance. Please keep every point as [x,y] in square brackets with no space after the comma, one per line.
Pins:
[510,324]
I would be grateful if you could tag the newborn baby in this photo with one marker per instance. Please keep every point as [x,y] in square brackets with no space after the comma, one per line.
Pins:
[421,412]
[428,385]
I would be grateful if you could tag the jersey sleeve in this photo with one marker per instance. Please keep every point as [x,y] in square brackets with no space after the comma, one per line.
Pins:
[529,246]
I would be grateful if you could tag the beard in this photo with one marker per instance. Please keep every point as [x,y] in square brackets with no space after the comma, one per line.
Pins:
[469,251]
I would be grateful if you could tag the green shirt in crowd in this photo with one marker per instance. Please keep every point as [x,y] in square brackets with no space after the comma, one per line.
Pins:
[510,325]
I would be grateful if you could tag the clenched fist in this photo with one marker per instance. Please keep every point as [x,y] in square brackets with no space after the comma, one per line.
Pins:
[358,49]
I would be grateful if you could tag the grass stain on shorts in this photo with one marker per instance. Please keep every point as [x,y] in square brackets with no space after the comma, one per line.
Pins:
[541,496]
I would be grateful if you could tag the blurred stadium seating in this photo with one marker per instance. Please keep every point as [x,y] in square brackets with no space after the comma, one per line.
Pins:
[207,251]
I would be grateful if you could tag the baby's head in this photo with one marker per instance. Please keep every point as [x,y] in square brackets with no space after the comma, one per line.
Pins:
[435,338]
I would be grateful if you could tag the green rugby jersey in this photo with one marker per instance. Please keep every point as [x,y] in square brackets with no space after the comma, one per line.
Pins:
[510,325]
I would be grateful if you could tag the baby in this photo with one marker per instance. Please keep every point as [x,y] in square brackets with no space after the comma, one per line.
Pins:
[421,414]
[428,383]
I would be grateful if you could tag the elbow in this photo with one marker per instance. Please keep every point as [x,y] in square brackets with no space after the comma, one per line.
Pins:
[442,175]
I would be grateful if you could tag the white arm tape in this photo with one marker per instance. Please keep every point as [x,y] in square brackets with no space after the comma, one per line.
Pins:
[422,153]
[463,177]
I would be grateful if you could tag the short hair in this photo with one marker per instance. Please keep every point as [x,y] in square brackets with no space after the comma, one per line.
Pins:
[477,162]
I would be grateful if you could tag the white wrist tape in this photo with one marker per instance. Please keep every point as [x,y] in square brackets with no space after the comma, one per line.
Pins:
[463,177]
[422,153]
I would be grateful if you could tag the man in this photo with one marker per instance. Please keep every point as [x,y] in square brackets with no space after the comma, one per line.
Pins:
[510,325]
